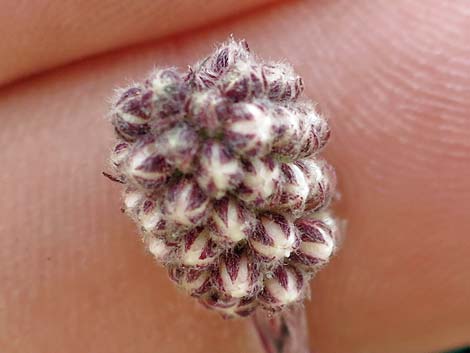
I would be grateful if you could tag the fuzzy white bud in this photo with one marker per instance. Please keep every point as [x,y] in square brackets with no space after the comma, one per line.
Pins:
[195,282]
[179,145]
[317,243]
[316,131]
[131,113]
[207,109]
[161,249]
[238,275]
[285,286]
[120,154]
[209,71]
[322,183]
[197,248]
[274,238]
[152,219]
[132,199]
[219,170]
[147,166]
[294,190]
[248,129]
[169,92]
[261,182]
[185,204]
[244,82]
[230,221]
[282,82]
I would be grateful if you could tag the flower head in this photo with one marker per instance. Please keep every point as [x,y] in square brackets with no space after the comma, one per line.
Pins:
[223,178]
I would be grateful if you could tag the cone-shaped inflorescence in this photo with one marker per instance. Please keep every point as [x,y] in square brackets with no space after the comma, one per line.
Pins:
[223,178]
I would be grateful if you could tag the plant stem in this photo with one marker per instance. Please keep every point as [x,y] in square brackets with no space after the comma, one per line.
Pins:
[286,332]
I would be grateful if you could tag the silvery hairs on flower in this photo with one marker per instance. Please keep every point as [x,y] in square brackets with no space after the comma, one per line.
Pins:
[224,180]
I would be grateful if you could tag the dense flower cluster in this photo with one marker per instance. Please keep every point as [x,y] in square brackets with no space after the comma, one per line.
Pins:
[224,180]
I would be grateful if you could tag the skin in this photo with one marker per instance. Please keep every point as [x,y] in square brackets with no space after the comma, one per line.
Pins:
[393,78]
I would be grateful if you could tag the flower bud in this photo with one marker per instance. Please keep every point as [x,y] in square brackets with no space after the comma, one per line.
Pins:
[316,131]
[288,132]
[210,70]
[248,129]
[120,154]
[132,112]
[197,248]
[147,166]
[334,225]
[285,286]
[162,250]
[322,183]
[195,282]
[151,219]
[282,82]
[294,190]
[185,204]
[179,145]
[207,109]
[230,221]
[228,54]
[244,82]
[238,275]
[219,170]
[132,199]
[261,181]
[322,131]
[317,243]
[230,307]
[169,93]
[274,238]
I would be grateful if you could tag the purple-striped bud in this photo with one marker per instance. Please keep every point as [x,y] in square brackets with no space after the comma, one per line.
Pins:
[322,131]
[316,131]
[230,221]
[219,170]
[197,248]
[317,243]
[322,183]
[179,145]
[285,286]
[229,54]
[161,249]
[244,82]
[120,154]
[334,225]
[238,275]
[147,165]
[207,109]
[210,70]
[230,307]
[290,133]
[261,182]
[283,84]
[195,282]
[185,204]
[151,219]
[131,113]
[132,199]
[249,129]
[169,93]
[294,190]
[274,238]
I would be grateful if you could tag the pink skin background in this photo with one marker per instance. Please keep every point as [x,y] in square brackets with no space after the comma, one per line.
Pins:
[392,76]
